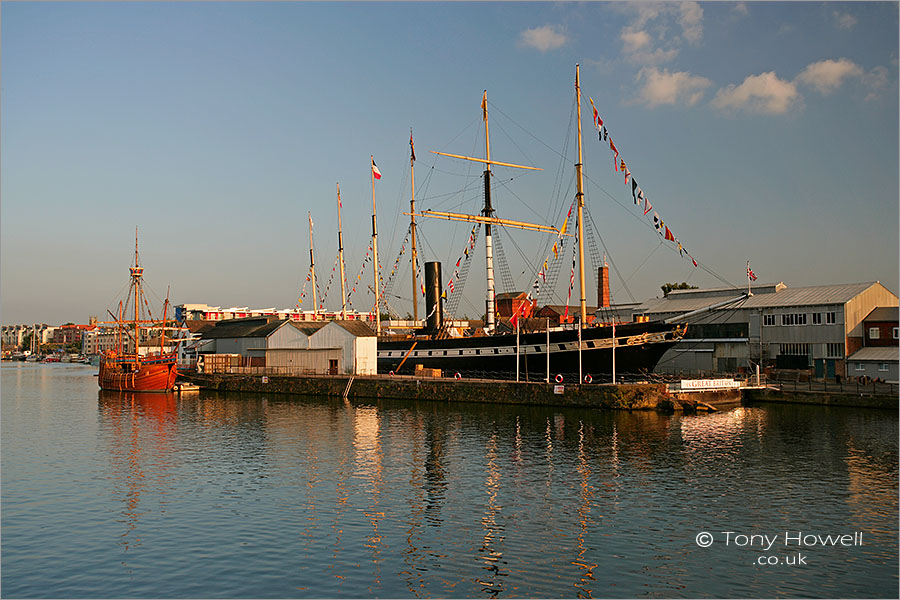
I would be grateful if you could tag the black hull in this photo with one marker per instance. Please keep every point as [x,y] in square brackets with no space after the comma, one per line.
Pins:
[639,347]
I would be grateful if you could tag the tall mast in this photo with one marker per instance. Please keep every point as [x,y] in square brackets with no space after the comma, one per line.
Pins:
[136,272]
[312,270]
[162,338]
[375,254]
[341,257]
[412,225]
[487,212]
[580,198]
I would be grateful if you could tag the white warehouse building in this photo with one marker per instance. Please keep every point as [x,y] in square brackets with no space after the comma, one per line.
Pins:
[815,327]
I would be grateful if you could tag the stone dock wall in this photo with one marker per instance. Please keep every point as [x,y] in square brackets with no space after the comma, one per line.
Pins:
[863,400]
[632,396]
[649,396]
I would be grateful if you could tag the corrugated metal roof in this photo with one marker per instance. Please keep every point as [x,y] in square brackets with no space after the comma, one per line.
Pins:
[884,313]
[309,327]
[684,300]
[242,328]
[357,328]
[876,354]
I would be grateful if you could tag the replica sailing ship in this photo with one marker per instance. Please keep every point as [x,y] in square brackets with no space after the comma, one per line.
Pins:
[633,347]
[126,368]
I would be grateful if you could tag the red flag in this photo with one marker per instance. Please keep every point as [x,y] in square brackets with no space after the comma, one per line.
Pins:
[669,235]
[616,158]
[750,274]
[598,122]
[375,172]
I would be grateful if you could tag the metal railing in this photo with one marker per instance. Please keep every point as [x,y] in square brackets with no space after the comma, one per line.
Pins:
[865,388]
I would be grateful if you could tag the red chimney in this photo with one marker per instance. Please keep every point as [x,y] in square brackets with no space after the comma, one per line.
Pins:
[603,285]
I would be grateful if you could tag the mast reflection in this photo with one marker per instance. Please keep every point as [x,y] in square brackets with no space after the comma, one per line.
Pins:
[491,546]
[142,428]
[368,454]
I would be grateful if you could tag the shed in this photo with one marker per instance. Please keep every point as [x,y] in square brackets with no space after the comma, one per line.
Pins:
[253,336]
[358,344]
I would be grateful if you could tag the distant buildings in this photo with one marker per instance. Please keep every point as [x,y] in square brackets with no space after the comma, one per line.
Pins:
[205,312]
[14,336]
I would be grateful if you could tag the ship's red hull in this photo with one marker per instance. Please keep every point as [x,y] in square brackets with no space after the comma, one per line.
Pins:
[155,374]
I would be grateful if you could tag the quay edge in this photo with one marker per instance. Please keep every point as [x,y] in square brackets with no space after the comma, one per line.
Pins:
[627,397]
[649,396]
[863,400]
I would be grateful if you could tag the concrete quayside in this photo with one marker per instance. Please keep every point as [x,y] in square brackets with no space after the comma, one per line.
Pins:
[687,395]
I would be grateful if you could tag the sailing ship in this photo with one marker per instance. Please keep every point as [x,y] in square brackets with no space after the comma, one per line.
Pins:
[633,347]
[127,368]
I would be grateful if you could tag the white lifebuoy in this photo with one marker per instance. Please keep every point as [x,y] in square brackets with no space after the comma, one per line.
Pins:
[457,376]
[558,378]
[391,373]
[588,378]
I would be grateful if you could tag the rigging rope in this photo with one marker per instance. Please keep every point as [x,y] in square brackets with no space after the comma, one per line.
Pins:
[506,277]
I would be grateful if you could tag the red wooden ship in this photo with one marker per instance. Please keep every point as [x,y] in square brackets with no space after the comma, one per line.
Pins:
[128,368]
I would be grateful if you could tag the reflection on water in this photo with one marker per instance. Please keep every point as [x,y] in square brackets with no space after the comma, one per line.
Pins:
[262,496]
[140,450]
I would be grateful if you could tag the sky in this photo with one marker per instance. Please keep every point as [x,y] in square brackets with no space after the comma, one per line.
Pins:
[762,132]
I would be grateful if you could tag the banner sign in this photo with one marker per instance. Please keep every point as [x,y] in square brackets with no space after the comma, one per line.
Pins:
[708,384]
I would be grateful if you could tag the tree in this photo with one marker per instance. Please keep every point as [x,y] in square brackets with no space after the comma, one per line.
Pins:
[668,287]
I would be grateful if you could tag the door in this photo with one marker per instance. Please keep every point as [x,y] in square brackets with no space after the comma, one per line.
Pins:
[332,366]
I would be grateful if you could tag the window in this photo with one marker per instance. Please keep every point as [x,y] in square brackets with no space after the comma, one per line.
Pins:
[874,333]
[795,349]
[834,350]
[817,318]
[794,319]
[768,320]
[829,318]
[896,332]
[860,366]
[883,367]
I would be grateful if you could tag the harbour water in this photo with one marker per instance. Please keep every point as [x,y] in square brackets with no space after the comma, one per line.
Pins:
[232,496]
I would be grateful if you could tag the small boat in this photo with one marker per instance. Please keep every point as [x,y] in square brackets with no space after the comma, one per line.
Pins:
[126,368]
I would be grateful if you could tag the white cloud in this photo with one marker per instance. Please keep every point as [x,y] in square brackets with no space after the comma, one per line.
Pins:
[875,81]
[741,9]
[827,75]
[663,87]
[764,93]
[691,21]
[548,37]
[844,20]
[653,57]
[634,40]
[649,38]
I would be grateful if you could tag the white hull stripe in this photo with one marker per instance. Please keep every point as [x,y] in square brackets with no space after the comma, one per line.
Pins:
[636,340]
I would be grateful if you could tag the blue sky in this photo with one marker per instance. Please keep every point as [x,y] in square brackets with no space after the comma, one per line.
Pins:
[758,131]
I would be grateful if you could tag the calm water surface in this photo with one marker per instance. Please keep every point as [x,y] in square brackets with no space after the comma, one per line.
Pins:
[108,495]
